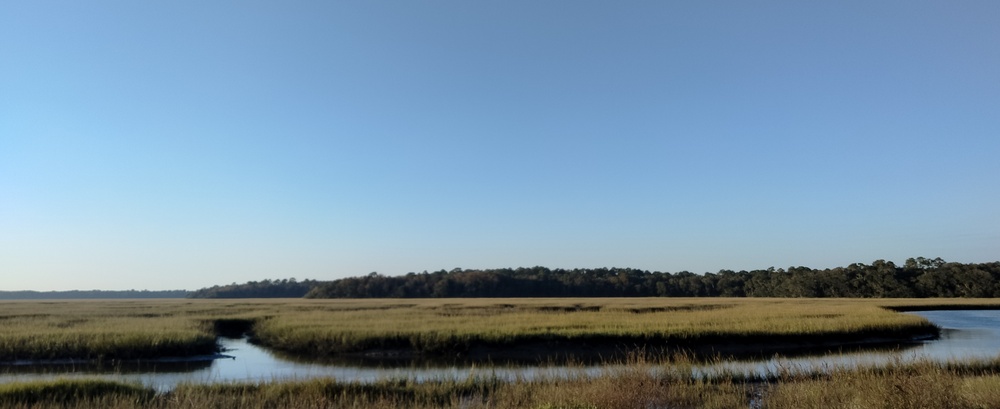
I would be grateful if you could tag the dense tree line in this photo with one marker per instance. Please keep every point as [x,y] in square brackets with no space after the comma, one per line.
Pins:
[89,294]
[918,277]
[283,288]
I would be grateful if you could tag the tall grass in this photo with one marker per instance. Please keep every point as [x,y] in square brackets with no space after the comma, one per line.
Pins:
[89,392]
[915,385]
[635,384]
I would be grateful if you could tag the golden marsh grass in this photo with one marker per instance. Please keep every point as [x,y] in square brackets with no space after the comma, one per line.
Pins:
[634,385]
[449,325]
[153,328]
[127,328]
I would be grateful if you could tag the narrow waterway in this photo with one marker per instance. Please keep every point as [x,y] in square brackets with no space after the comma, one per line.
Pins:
[965,335]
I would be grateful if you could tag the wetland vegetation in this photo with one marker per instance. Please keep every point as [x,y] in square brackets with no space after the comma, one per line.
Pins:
[316,329]
[323,328]
[637,384]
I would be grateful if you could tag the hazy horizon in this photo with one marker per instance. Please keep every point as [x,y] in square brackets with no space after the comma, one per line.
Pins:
[188,144]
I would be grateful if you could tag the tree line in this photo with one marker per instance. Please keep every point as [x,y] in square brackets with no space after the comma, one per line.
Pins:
[281,288]
[917,277]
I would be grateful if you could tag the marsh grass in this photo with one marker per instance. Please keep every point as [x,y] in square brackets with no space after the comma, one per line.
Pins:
[109,329]
[93,391]
[637,383]
[450,326]
[917,385]
[99,330]
[96,331]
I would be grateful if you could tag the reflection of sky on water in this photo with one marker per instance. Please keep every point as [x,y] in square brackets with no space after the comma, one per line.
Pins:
[967,334]
[964,335]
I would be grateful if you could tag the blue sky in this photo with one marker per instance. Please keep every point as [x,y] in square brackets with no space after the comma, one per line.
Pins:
[177,145]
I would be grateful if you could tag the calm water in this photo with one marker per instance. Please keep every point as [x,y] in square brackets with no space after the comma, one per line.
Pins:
[966,334]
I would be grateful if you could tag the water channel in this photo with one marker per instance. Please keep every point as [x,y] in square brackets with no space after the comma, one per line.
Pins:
[964,335]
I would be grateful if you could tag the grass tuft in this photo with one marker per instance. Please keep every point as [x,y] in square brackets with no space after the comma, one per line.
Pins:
[72,392]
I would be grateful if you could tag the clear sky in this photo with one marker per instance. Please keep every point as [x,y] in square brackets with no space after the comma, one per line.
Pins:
[182,144]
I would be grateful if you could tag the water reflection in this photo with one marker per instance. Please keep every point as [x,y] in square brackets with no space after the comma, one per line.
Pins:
[966,334]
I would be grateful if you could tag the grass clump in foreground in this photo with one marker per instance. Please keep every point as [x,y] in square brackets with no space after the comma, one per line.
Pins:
[88,392]
[637,384]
